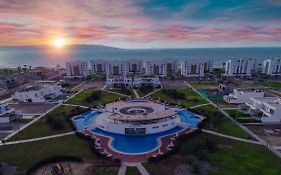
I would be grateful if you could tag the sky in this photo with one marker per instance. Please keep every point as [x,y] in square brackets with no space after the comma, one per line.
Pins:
[142,23]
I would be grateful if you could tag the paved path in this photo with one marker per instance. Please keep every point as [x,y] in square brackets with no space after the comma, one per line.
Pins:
[152,92]
[37,139]
[139,166]
[277,153]
[116,93]
[122,169]
[81,84]
[231,137]
[277,147]
[67,104]
[136,94]
[197,106]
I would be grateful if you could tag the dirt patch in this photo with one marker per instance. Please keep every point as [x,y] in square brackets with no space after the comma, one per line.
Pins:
[91,85]
[270,133]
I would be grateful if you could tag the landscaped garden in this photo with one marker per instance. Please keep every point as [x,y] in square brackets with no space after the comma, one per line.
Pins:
[274,85]
[240,116]
[93,98]
[56,122]
[184,97]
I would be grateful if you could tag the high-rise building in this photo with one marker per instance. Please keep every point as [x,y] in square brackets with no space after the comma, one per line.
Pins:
[77,69]
[272,66]
[242,67]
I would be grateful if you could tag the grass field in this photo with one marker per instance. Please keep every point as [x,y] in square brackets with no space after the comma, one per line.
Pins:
[239,116]
[191,98]
[80,99]
[27,154]
[218,122]
[227,158]
[274,85]
[41,128]
[118,90]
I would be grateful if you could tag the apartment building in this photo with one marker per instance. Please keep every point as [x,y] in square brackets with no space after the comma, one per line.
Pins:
[160,67]
[242,67]
[77,69]
[272,67]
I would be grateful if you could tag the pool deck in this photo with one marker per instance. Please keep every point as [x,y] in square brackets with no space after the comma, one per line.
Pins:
[139,158]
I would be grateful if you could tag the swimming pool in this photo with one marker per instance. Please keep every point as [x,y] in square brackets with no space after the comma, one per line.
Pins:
[135,144]
[85,119]
[189,118]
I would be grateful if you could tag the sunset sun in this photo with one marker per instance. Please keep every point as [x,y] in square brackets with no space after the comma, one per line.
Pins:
[59,42]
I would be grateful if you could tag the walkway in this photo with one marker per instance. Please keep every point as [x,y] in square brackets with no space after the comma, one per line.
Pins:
[152,92]
[81,84]
[117,93]
[37,139]
[67,104]
[197,106]
[231,137]
[136,94]
[139,166]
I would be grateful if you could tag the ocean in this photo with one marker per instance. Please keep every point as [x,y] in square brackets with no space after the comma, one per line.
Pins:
[11,56]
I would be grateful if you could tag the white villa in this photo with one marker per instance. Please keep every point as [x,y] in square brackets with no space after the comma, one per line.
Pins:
[269,107]
[7,114]
[160,67]
[129,82]
[196,68]
[240,96]
[241,67]
[271,67]
[42,92]
[77,69]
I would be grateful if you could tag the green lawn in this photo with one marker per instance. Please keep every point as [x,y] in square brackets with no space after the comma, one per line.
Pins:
[80,99]
[239,116]
[69,85]
[227,157]
[7,72]
[274,85]
[216,121]
[203,84]
[129,92]
[41,128]
[191,98]
[27,154]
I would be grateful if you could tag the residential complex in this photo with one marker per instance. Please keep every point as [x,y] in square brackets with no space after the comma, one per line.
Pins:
[268,107]
[77,69]
[242,67]
[117,68]
[98,66]
[135,66]
[240,96]
[40,92]
[160,67]
[272,66]
[196,68]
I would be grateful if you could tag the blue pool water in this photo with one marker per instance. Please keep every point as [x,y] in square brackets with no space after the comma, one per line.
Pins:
[189,118]
[135,144]
[85,119]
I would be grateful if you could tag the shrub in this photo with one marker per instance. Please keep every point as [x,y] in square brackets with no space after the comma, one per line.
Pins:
[55,123]
[146,89]
[93,97]
[173,93]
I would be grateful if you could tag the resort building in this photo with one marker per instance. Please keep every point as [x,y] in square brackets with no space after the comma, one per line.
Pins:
[160,67]
[240,96]
[117,68]
[268,107]
[242,67]
[41,92]
[77,69]
[196,68]
[135,66]
[7,114]
[130,81]
[271,67]
[98,66]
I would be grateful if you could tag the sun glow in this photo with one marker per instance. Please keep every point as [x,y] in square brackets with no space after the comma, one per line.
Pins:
[59,42]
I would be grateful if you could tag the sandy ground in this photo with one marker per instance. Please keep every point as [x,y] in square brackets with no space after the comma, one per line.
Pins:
[176,84]
[32,108]
[270,133]
[91,85]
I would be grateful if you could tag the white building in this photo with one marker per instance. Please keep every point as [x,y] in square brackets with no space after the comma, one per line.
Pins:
[196,68]
[240,96]
[77,69]
[129,82]
[160,67]
[7,114]
[270,107]
[117,68]
[135,66]
[41,92]
[271,67]
[98,66]
[241,67]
